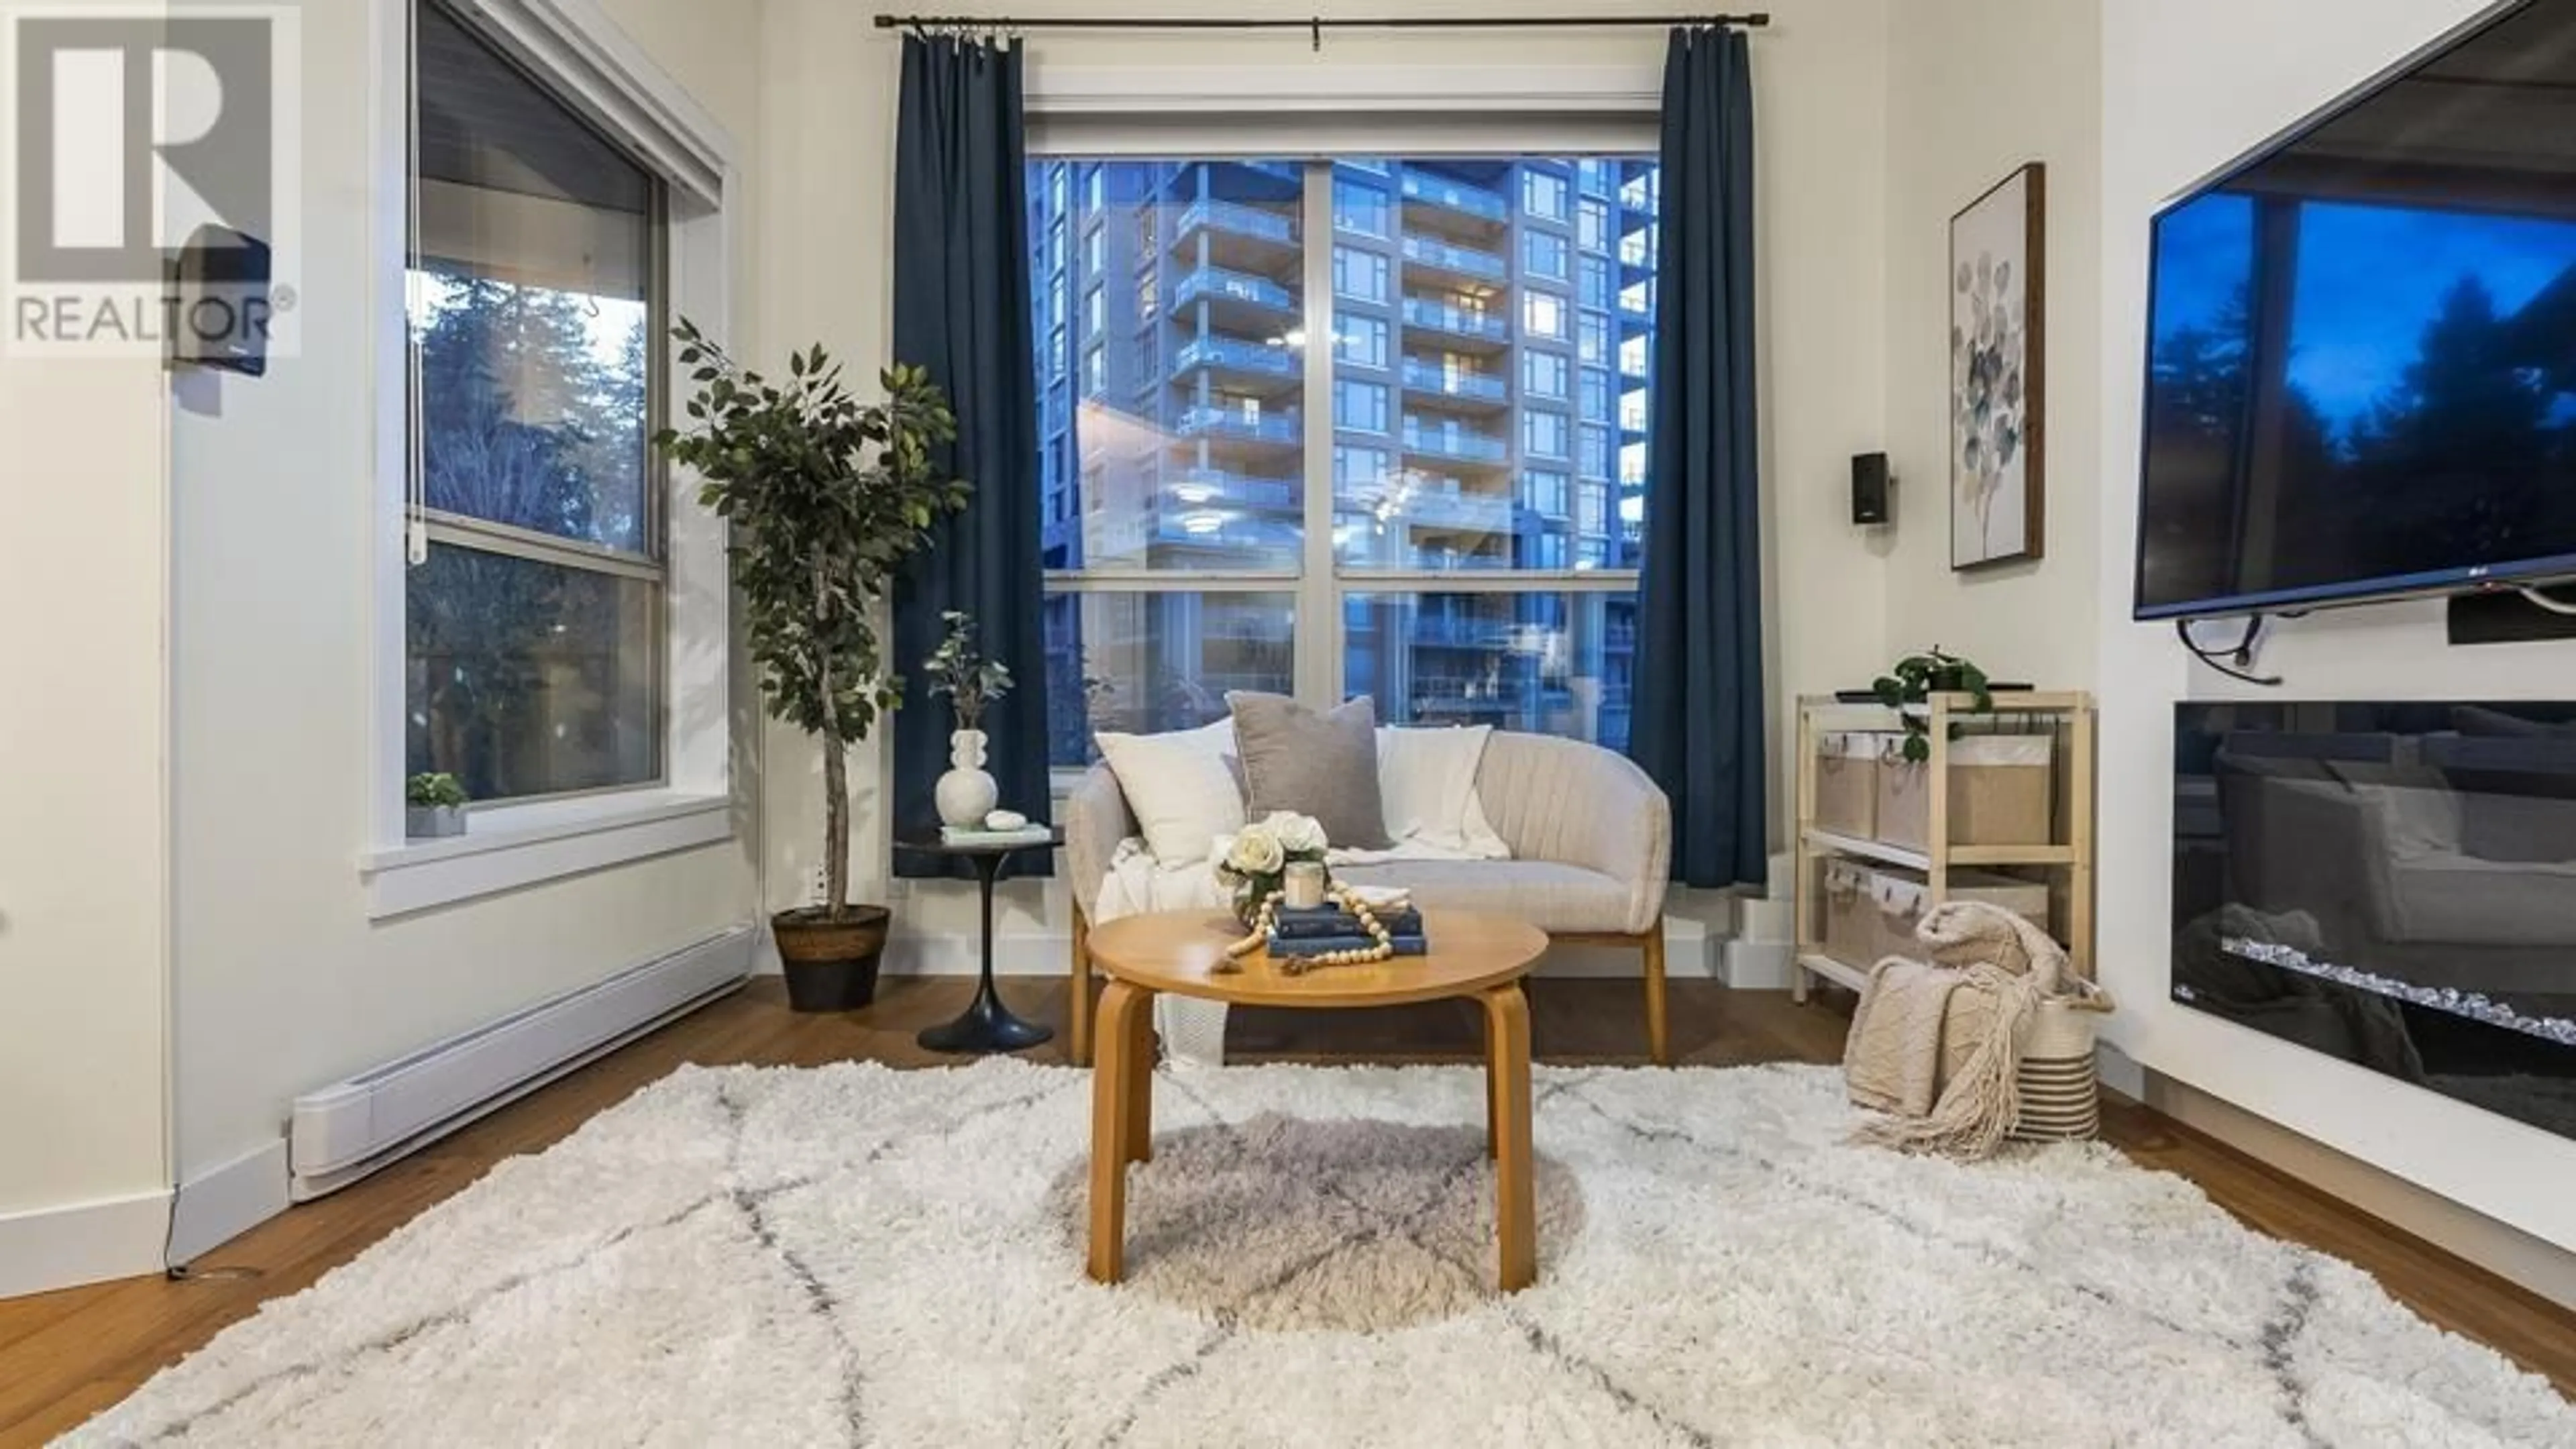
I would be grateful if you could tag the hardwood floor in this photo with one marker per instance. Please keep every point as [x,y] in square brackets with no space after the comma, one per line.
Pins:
[64,1356]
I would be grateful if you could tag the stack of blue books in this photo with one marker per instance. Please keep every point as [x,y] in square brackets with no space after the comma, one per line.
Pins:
[1318,930]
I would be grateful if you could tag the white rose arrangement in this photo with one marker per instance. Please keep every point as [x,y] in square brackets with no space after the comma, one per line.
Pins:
[1254,863]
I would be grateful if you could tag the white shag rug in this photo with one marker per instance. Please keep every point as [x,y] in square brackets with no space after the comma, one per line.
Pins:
[855,1255]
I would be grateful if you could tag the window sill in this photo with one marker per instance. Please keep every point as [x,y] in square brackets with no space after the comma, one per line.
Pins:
[512,846]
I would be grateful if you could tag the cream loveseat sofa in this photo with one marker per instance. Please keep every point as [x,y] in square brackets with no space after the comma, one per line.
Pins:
[1591,846]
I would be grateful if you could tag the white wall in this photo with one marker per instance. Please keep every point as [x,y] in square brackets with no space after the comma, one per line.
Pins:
[1976,88]
[83,702]
[282,982]
[1819,73]
[2188,84]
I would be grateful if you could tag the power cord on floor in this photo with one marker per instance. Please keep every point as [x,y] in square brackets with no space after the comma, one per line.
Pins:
[2237,662]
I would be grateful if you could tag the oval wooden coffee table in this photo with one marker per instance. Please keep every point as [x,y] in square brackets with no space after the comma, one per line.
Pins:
[1478,956]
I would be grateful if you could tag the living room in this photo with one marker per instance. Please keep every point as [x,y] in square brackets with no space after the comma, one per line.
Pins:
[313,1116]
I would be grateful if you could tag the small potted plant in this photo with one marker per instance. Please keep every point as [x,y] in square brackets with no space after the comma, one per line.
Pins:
[966,793]
[433,805]
[1909,685]
[825,498]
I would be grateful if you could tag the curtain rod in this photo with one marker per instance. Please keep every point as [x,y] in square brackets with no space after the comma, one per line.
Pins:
[1314,25]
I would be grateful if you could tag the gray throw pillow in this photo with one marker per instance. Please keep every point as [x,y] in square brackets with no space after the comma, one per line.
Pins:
[1324,765]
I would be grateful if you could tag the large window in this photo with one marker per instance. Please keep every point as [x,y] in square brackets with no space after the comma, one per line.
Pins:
[534,625]
[1361,340]
[1443,556]
[1543,374]
[1359,275]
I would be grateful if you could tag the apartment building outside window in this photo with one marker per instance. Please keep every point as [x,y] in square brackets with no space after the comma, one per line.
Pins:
[1544,374]
[1438,552]
[1544,253]
[1361,340]
[1360,207]
[1359,275]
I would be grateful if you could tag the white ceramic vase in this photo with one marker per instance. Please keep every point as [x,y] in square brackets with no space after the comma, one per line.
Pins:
[966,794]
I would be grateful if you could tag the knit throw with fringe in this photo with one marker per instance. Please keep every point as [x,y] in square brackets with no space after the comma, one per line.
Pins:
[1935,1048]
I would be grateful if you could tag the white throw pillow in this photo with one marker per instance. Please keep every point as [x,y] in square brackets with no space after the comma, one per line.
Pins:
[1427,783]
[1180,788]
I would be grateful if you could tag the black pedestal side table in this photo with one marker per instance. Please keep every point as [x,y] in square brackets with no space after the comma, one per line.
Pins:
[986,1025]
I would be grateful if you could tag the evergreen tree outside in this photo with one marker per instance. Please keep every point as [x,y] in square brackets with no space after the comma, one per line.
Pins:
[529,677]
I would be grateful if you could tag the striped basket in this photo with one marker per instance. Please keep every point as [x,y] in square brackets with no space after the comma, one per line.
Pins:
[2061,1096]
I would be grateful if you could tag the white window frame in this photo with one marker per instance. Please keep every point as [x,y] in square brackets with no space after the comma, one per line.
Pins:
[1341,113]
[593,66]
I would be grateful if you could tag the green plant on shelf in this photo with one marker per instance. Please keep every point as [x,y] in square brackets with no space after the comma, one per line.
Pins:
[1909,684]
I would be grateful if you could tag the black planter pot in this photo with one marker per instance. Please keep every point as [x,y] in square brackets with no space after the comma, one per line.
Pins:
[831,965]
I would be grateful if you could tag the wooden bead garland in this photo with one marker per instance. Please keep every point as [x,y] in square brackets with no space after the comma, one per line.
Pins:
[1267,915]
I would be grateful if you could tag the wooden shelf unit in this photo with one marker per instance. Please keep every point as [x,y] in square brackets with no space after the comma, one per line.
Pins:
[2070,854]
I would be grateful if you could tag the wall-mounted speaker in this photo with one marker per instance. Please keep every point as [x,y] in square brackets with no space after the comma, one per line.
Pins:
[221,308]
[1869,487]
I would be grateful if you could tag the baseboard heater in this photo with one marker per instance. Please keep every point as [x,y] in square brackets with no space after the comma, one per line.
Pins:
[349,1129]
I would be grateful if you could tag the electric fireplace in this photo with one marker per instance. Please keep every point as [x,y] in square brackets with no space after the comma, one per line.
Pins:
[2391,883]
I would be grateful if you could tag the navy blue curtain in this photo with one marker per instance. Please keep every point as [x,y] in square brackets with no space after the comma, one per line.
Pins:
[961,309]
[1698,727]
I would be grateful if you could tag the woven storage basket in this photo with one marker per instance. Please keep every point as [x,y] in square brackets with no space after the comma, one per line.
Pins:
[2061,1094]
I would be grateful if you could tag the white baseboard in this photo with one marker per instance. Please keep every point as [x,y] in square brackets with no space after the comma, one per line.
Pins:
[85,1242]
[221,1204]
[339,1134]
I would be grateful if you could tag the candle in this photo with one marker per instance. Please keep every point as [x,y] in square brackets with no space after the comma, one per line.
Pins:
[1304,887]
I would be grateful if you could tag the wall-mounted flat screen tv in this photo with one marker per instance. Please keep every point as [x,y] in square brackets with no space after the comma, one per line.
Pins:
[2361,343]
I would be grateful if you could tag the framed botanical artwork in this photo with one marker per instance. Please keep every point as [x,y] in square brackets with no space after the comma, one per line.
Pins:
[1997,250]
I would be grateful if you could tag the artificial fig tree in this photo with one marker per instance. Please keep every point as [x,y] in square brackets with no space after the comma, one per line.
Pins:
[825,497]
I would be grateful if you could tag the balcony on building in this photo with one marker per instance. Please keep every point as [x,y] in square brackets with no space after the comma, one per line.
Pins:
[1459,631]
[1245,365]
[1284,428]
[1242,301]
[1445,201]
[1194,487]
[1223,529]
[1162,531]
[1448,318]
[1448,507]
[1454,442]
[1237,235]
[1638,195]
[1455,385]
[1288,171]
[1474,264]
[1637,251]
